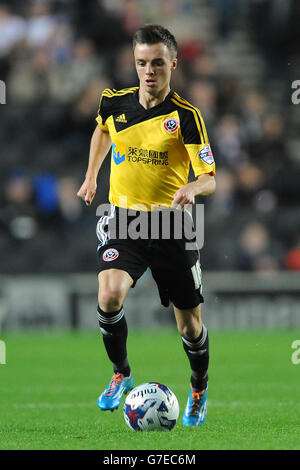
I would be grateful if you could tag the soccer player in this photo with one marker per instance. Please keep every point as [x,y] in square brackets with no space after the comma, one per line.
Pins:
[155,135]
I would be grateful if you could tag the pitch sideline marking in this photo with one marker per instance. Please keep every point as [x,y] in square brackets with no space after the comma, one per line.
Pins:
[210,404]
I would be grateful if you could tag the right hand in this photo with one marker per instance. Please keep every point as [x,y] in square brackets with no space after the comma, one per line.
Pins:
[87,191]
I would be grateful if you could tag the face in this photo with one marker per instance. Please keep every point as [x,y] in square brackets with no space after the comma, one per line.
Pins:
[154,65]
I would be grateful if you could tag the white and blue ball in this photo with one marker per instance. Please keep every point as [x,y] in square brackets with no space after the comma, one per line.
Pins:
[151,406]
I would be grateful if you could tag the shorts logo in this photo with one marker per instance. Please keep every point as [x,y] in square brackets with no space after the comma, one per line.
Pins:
[110,255]
[206,155]
[171,125]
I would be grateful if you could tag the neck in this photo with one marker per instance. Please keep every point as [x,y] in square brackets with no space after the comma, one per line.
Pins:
[149,100]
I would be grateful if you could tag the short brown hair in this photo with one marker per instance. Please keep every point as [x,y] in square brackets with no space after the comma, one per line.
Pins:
[154,34]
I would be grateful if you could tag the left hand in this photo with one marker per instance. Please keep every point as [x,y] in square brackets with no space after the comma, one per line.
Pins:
[184,195]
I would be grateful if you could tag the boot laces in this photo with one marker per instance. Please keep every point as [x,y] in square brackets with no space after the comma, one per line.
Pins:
[114,383]
[196,400]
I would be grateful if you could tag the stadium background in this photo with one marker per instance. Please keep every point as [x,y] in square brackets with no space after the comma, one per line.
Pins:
[238,61]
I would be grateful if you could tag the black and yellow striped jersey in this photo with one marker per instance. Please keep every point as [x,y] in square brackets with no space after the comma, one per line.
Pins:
[152,148]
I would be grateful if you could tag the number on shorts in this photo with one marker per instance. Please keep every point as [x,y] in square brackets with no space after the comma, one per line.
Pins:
[196,272]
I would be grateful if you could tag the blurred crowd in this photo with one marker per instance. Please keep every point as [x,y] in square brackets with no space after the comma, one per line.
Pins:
[56,57]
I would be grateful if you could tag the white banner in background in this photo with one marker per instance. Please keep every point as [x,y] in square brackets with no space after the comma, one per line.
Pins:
[33,302]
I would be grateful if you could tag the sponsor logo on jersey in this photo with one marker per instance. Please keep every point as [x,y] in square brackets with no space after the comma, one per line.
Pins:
[110,255]
[121,118]
[116,155]
[171,125]
[147,156]
[206,155]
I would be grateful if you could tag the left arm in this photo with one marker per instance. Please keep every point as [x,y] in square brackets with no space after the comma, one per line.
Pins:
[197,146]
[204,185]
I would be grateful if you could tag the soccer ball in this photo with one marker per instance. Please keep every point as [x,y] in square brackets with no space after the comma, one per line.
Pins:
[150,407]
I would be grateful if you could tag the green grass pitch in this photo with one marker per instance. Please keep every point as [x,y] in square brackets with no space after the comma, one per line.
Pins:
[50,384]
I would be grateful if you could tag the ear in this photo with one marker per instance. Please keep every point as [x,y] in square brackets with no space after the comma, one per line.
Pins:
[174,64]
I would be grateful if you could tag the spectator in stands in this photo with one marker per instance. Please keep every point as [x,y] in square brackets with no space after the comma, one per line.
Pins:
[203,95]
[31,78]
[226,13]
[228,142]
[124,69]
[69,204]
[203,68]
[85,66]
[254,111]
[271,154]
[12,29]
[249,180]
[41,24]
[132,16]
[292,257]
[257,252]
[223,201]
[18,215]
[274,25]
[12,33]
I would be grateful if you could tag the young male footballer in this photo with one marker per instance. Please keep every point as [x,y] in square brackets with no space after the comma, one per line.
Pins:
[155,135]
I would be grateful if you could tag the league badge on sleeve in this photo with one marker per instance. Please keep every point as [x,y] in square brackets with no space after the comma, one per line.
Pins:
[206,155]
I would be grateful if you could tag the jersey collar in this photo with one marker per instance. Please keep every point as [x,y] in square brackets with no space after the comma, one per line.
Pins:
[138,104]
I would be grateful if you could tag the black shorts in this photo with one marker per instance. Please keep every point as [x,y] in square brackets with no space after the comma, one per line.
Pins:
[175,269]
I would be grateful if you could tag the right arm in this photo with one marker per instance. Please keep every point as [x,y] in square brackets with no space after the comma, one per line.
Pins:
[100,145]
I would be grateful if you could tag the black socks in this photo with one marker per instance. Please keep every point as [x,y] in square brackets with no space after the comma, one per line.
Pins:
[198,354]
[114,331]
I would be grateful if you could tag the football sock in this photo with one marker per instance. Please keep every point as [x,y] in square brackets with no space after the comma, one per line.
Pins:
[197,351]
[113,327]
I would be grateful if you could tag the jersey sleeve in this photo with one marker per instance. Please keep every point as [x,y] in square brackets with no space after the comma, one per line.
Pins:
[103,110]
[196,142]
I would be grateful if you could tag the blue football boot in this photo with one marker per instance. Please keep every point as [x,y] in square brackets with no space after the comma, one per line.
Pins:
[111,398]
[195,410]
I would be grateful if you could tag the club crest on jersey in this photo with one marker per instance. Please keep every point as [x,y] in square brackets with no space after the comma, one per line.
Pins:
[171,125]
[110,254]
[206,155]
